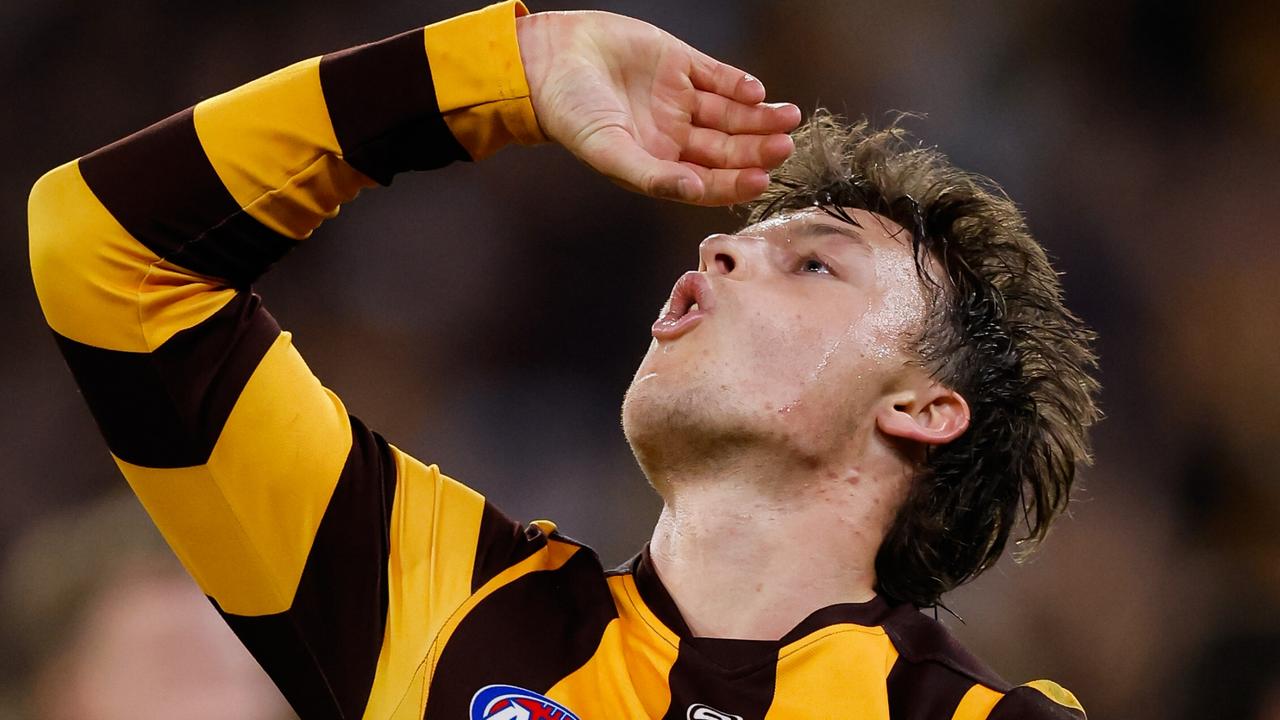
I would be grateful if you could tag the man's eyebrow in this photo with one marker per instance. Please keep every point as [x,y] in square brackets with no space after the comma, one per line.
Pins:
[813,229]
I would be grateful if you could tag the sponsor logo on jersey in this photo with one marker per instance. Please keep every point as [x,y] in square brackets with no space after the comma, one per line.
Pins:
[508,702]
[706,712]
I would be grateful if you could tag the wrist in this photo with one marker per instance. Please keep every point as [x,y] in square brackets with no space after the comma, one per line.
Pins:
[480,82]
[535,52]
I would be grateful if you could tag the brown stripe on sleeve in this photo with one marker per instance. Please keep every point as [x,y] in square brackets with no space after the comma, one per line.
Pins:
[382,103]
[165,409]
[924,690]
[323,651]
[502,543]
[531,633]
[1027,703]
[160,186]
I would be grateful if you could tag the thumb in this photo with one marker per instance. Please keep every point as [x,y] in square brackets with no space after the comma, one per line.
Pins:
[621,158]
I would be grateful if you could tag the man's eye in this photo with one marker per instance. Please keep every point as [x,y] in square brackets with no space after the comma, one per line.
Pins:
[814,265]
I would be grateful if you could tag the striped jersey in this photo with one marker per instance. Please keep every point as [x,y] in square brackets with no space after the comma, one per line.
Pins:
[366,583]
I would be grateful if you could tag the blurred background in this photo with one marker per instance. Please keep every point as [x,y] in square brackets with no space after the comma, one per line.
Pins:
[1141,137]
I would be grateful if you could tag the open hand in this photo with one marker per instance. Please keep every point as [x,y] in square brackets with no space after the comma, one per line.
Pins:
[651,112]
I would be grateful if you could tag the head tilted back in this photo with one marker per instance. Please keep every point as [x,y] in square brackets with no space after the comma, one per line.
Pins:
[997,333]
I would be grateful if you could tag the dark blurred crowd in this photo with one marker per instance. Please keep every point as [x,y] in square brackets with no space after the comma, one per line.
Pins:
[488,317]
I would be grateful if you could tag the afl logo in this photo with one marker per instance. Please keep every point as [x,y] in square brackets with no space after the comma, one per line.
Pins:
[703,712]
[508,702]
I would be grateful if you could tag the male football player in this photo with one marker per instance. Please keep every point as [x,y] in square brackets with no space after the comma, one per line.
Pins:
[846,408]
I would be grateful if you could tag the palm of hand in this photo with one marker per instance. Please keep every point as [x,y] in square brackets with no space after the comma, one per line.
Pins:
[649,111]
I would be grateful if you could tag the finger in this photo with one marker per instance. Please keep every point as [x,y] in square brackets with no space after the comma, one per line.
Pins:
[714,149]
[718,112]
[714,76]
[727,187]
[623,160]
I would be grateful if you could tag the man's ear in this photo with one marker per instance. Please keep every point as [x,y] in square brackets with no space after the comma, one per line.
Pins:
[927,413]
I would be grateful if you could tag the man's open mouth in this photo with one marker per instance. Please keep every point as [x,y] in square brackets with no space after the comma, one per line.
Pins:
[691,300]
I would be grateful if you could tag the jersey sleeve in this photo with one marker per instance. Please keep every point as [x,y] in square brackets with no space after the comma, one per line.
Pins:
[1038,700]
[332,554]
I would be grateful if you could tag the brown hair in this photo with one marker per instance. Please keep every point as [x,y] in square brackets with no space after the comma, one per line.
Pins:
[999,335]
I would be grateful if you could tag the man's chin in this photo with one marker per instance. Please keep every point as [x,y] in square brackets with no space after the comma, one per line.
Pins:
[669,427]
[644,409]
[654,416]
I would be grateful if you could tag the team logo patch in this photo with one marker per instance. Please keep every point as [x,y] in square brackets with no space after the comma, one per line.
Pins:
[508,702]
[706,712]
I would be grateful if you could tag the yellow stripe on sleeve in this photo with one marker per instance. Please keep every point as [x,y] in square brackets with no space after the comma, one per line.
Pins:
[977,703]
[276,464]
[435,526]
[193,516]
[479,79]
[242,523]
[172,299]
[1056,693]
[273,146]
[91,275]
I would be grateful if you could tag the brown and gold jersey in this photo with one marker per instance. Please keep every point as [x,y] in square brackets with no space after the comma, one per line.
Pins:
[369,584]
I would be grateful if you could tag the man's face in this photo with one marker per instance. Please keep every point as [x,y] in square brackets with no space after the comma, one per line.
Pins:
[803,323]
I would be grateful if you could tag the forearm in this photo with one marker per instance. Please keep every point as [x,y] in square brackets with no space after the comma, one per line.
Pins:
[225,188]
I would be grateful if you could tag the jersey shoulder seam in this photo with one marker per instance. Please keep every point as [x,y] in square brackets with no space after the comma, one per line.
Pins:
[921,639]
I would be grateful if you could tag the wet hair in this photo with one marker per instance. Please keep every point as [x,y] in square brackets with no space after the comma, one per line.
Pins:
[997,333]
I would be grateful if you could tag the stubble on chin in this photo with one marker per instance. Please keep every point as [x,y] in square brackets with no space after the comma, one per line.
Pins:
[687,429]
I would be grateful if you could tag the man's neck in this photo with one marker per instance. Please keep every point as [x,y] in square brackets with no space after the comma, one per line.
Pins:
[750,554]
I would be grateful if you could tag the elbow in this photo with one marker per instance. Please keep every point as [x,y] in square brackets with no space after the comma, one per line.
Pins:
[87,270]
[46,213]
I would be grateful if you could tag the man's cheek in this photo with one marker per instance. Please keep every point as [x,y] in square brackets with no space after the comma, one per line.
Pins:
[782,354]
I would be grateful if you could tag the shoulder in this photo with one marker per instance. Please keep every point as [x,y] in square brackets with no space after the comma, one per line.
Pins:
[1039,700]
[935,676]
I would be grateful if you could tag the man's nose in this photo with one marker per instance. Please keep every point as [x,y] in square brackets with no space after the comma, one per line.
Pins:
[722,254]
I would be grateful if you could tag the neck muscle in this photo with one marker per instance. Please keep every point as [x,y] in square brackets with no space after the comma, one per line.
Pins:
[750,552]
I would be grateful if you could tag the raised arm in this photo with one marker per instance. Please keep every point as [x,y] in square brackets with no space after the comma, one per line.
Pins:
[291,515]
[314,537]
